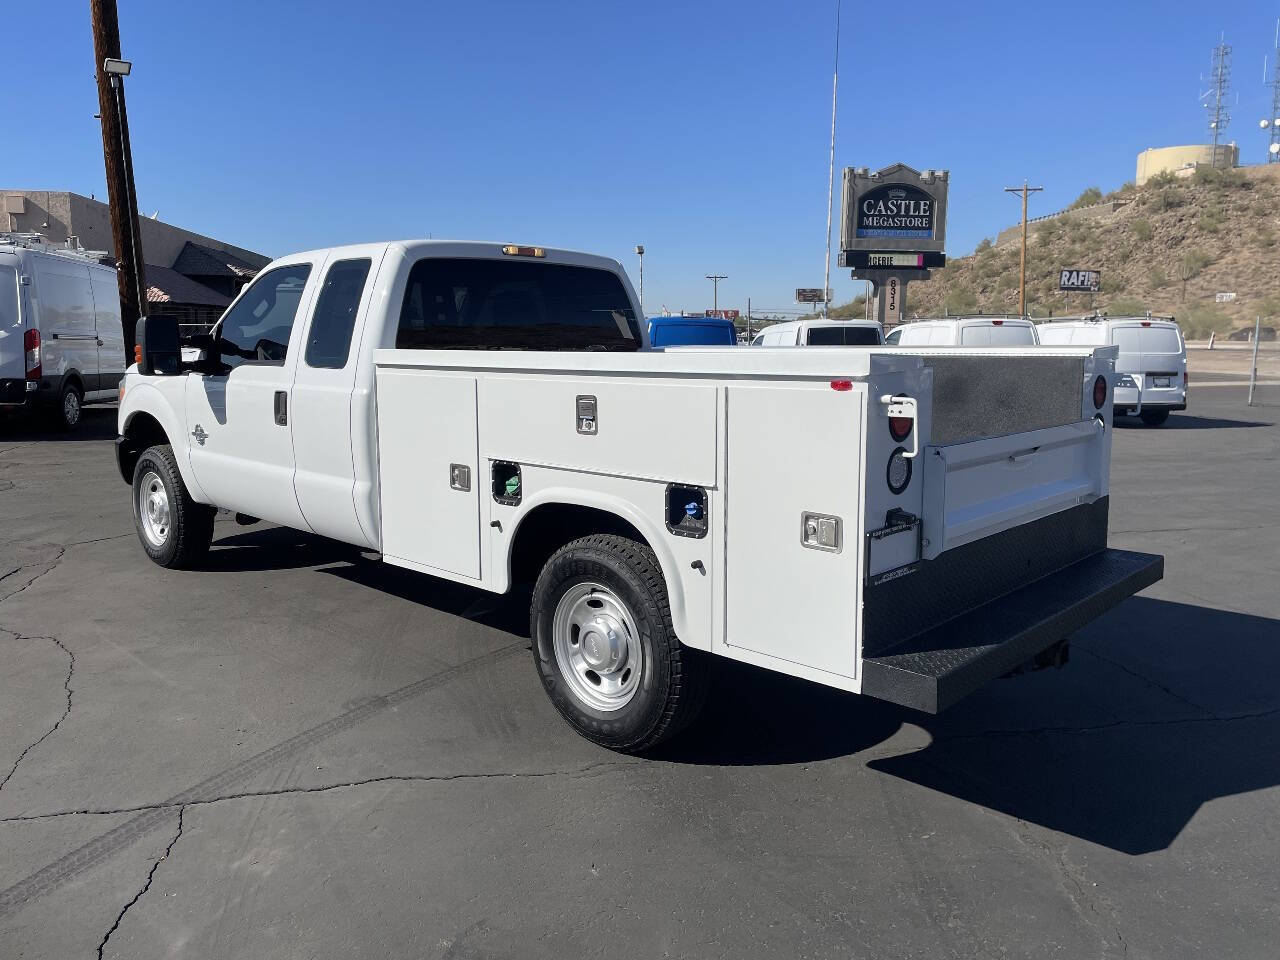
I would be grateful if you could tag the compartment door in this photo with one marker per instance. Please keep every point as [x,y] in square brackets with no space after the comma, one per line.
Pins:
[792,452]
[430,515]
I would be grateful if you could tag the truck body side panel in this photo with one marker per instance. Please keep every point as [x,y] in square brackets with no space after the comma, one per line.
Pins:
[430,511]
[774,582]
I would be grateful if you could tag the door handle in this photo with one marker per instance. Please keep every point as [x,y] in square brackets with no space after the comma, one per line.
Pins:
[282,408]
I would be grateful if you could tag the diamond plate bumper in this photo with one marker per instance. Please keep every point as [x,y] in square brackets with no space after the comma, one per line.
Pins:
[935,669]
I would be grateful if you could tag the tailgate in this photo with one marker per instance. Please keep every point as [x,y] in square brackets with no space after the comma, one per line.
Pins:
[12,365]
[979,488]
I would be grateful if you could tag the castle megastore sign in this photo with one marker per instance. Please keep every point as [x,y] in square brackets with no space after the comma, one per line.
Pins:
[896,210]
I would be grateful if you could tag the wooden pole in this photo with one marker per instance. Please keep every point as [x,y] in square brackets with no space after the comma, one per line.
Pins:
[118,158]
[1022,263]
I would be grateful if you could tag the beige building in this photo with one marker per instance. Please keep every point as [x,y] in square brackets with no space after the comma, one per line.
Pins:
[1155,160]
[189,276]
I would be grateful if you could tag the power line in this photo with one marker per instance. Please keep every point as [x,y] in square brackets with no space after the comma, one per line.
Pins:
[715,279]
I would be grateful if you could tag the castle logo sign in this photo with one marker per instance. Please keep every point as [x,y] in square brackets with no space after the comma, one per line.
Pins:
[896,210]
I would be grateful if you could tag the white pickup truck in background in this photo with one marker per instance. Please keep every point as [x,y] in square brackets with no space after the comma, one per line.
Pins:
[901,523]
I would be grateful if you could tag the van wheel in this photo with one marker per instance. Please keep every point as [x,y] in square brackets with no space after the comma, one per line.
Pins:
[174,529]
[605,649]
[1153,418]
[66,415]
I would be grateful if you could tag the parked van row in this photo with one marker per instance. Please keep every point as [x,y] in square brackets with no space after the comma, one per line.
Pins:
[61,342]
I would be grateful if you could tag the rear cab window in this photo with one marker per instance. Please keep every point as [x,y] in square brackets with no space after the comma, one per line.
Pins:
[477,304]
[334,318]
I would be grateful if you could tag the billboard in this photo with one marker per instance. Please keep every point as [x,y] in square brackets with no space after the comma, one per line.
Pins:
[1084,280]
[811,295]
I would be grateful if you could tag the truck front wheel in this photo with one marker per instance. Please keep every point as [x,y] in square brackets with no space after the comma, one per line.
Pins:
[174,529]
[605,649]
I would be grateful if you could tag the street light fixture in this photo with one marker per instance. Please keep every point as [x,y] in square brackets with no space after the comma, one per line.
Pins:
[117,68]
[640,254]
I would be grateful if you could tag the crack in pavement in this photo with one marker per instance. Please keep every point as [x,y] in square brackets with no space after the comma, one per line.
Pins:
[1150,681]
[107,845]
[329,787]
[182,811]
[66,684]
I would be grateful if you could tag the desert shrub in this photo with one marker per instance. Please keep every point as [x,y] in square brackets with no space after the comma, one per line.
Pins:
[1209,222]
[1217,177]
[1264,237]
[1049,231]
[1141,229]
[1199,321]
[1090,196]
[1126,307]
[983,245]
[1158,278]
[1164,178]
[961,300]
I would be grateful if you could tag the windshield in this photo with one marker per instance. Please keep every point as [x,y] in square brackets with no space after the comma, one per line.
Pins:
[472,304]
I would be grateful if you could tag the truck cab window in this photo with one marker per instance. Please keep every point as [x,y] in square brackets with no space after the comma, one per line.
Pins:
[257,328]
[334,319]
[474,304]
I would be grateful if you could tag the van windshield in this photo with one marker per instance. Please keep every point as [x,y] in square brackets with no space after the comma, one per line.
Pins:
[844,337]
[474,304]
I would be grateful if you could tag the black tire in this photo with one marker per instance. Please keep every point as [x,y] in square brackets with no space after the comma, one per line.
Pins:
[1154,418]
[67,412]
[674,679]
[189,526]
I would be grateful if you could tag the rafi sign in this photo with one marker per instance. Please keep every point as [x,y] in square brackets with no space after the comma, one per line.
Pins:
[896,210]
[1084,280]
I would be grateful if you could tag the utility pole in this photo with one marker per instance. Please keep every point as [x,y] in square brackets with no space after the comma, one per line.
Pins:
[831,169]
[715,279]
[118,158]
[1022,264]
[748,319]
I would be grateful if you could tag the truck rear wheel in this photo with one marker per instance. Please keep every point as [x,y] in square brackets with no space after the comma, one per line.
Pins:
[66,414]
[605,649]
[174,529]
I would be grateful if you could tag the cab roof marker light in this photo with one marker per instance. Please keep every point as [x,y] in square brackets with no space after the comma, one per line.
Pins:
[511,250]
[841,385]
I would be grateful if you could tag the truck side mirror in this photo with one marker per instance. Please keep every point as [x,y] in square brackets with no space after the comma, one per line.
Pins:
[158,352]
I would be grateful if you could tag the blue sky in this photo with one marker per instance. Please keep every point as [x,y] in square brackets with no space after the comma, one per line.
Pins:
[699,129]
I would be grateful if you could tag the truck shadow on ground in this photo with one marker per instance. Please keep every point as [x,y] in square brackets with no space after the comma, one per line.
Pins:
[96,423]
[1182,421]
[1164,707]
[1090,757]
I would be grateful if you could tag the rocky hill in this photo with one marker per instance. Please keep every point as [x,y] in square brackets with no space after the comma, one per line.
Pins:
[1169,247]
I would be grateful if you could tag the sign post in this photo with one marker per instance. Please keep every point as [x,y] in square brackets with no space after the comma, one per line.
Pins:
[893,230]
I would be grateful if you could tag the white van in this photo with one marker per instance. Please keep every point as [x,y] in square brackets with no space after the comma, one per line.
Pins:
[61,343]
[821,333]
[965,332]
[1151,370]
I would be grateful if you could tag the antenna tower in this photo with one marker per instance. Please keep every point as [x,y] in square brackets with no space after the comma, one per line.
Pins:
[1215,98]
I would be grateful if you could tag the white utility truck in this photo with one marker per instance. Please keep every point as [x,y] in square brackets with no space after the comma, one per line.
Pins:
[904,524]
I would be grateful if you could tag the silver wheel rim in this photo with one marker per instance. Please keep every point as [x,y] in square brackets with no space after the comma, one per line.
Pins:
[597,647]
[153,509]
[71,407]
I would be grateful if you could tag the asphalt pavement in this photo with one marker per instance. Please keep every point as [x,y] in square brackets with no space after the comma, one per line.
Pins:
[302,753]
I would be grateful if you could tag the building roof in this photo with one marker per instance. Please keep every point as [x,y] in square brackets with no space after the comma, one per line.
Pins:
[197,260]
[168,286]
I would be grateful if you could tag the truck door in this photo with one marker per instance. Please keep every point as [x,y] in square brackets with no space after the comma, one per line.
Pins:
[238,420]
[324,477]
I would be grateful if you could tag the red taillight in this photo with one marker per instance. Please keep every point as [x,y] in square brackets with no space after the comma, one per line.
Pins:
[31,348]
[1146,323]
[842,385]
[900,427]
[137,354]
[1185,380]
[1099,392]
[997,323]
